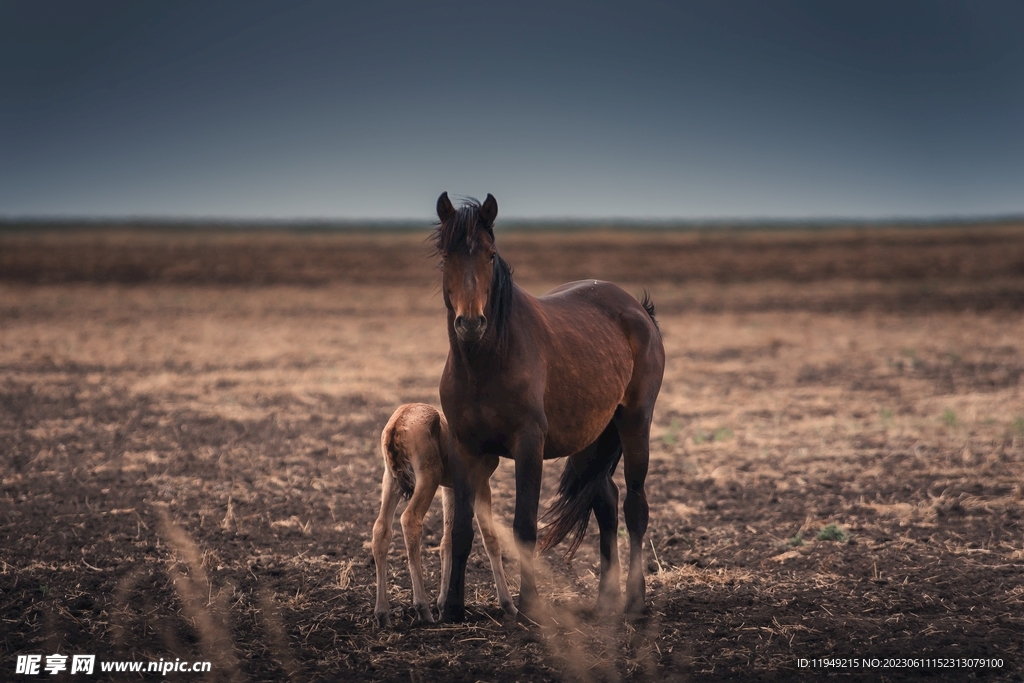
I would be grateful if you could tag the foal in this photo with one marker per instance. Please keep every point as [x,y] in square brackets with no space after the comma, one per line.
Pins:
[415,448]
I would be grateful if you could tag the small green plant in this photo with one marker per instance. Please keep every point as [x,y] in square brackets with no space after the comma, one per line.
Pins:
[831,532]
[949,418]
[699,436]
[911,355]
[45,590]
[670,437]
[1018,426]
[796,541]
[721,434]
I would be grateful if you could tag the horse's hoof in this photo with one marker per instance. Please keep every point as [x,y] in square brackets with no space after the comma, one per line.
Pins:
[424,615]
[608,603]
[453,614]
[636,609]
[383,619]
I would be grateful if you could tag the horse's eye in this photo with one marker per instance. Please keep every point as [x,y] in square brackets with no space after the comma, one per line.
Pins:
[491,258]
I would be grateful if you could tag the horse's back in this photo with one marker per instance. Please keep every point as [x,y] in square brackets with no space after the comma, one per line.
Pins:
[606,351]
[583,300]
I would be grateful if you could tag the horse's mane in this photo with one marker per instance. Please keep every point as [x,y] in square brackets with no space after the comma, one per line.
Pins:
[461,229]
[501,297]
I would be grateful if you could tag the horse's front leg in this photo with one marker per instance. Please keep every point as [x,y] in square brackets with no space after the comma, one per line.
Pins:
[529,459]
[466,470]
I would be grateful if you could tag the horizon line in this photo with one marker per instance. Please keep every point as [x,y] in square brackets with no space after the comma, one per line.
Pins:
[156,220]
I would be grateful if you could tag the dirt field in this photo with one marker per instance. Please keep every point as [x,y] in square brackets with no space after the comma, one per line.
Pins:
[189,462]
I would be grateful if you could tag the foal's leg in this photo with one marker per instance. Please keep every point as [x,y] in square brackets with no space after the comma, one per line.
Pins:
[412,530]
[635,430]
[493,546]
[382,533]
[606,510]
[448,508]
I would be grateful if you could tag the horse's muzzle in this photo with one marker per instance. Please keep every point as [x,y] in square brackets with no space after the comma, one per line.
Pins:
[470,328]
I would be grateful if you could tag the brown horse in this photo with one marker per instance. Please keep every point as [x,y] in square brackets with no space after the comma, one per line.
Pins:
[414,444]
[574,373]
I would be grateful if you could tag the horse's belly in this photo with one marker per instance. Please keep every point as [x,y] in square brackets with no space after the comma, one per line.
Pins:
[572,428]
[581,398]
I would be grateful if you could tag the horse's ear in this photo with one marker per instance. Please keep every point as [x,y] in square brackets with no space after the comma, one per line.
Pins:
[489,210]
[445,210]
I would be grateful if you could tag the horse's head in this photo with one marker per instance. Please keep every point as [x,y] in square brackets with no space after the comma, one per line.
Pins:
[471,267]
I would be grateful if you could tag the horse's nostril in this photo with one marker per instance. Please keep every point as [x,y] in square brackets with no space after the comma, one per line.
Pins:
[470,323]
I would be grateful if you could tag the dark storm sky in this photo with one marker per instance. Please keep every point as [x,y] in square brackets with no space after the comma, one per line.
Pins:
[561,109]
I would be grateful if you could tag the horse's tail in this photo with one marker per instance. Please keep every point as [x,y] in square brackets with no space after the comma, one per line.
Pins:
[648,305]
[569,514]
[396,458]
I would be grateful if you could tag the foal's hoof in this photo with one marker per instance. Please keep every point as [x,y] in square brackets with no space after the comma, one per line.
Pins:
[424,615]
[383,619]
[510,608]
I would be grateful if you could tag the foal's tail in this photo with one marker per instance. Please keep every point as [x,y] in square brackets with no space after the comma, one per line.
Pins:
[404,433]
[397,460]
[569,514]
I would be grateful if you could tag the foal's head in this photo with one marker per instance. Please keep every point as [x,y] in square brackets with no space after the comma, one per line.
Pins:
[476,282]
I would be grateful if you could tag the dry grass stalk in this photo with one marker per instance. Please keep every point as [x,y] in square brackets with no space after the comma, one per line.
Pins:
[205,609]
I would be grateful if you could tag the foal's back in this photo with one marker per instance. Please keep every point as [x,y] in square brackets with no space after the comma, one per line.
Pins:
[415,439]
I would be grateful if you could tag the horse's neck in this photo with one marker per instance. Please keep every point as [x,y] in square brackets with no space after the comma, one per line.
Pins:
[478,361]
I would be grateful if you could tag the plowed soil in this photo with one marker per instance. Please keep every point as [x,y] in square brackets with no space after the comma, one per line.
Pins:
[190,468]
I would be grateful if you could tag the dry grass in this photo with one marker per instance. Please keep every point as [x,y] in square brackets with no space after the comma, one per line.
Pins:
[205,609]
[191,469]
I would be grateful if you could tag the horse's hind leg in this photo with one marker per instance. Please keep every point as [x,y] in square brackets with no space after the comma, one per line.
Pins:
[606,510]
[493,546]
[412,530]
[635,430]
[382,533]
